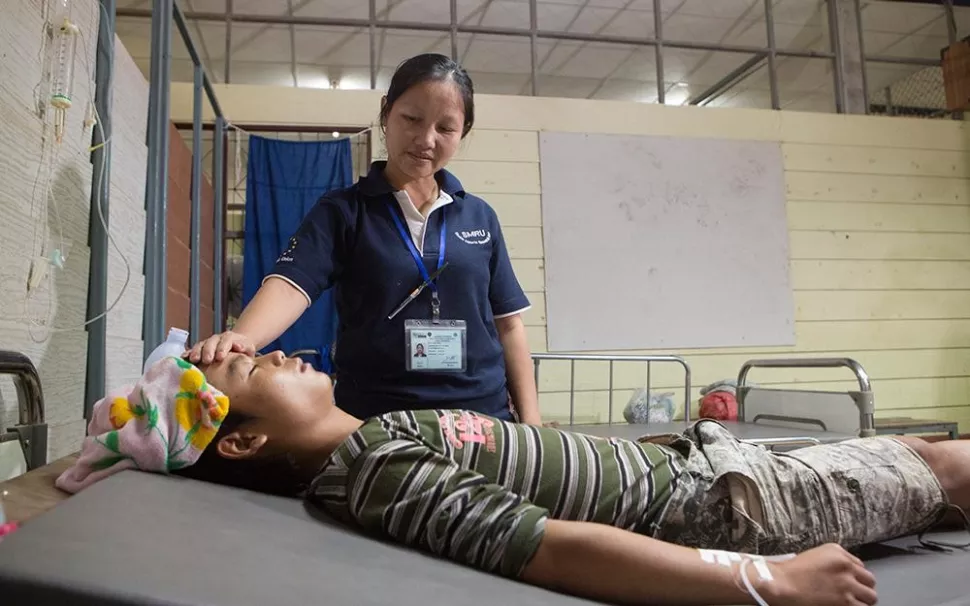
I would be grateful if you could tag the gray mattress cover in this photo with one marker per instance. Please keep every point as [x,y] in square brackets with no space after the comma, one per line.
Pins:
[744,431]
[140,539]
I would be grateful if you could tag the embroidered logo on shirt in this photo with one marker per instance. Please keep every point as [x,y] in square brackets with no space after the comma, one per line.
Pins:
[287,255]
[477,236]
[464,428]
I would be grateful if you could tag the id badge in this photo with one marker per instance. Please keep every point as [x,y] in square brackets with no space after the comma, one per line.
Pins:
[435,346]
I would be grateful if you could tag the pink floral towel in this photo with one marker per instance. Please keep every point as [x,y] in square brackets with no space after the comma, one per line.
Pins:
[161,423]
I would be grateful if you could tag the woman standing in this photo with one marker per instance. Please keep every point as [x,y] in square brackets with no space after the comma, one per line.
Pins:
[407,226]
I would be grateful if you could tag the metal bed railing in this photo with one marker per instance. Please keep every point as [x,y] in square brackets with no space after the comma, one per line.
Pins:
[31,429]
[538,358]
[863,398]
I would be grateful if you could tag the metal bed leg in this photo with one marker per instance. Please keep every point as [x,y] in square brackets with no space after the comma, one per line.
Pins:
[611,393]
[572,391]
[32,427]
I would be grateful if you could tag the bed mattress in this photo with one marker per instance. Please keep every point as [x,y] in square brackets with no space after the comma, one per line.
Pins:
[744,431]
[148,540]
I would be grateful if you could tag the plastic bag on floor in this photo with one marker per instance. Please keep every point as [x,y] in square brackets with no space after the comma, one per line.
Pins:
[646,408]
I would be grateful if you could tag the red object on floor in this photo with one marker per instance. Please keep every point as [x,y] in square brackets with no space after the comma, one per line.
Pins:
[7,528]
[720,406]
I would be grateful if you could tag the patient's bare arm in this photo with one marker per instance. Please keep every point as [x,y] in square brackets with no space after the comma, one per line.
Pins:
[606,563]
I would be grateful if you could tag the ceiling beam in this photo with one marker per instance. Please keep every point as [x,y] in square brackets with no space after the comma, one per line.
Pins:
[346,38]
[730,80]
[296,79]
[481,17]
[542,63]
[463,22]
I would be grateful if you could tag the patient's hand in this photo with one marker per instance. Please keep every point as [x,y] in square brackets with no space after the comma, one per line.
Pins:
[826,575]
[216,347]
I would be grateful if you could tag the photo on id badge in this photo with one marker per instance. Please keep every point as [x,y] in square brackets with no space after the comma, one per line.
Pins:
[436,348]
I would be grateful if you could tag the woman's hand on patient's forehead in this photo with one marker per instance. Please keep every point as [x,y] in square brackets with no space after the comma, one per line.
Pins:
[217,347]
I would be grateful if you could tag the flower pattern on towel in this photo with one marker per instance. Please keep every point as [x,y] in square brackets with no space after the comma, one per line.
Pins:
[161,423]
[121,412]
[194,399]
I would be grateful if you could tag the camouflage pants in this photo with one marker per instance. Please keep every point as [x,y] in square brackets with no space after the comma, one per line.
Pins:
[738,496]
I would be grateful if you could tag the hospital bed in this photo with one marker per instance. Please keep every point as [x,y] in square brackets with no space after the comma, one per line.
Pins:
[138,539]
[769,416]
[144,540]
[31,428]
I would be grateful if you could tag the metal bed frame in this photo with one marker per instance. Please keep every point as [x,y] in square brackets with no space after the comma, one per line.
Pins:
[763,413]
[538,358]
[31,428]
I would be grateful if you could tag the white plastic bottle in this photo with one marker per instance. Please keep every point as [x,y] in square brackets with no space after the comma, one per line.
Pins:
[174,345]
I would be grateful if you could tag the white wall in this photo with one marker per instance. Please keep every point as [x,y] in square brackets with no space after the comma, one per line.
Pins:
[61,299]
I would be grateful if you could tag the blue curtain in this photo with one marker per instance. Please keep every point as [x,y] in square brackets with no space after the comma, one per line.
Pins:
[284,180]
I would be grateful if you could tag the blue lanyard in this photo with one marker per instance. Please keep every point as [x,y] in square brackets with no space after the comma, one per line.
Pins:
[406,236]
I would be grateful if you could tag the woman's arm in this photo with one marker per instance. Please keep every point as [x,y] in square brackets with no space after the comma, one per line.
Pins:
[519,369]
[276,306]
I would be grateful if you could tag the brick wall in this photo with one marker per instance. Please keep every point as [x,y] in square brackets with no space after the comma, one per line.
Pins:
[179,240]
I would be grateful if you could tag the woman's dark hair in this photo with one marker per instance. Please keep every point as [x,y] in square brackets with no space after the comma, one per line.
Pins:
[434,67]
[273,474]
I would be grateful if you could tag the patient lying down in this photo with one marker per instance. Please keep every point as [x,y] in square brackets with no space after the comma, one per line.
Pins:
[675,521]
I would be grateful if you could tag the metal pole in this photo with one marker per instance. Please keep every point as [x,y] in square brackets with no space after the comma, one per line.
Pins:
[611,392]
[837,60]
[572,392]
[844,19]
[863,66]
[951,22]
[737,75]
[454,30]
[421,26]
[195,282]
[293,70]
[648,381]
[164,134]
[219,237]
[94,387]
[372,27]
[533,46]
[951,32]
[183,28]
[226,59]
[658,32]
[150,309]
[772,65]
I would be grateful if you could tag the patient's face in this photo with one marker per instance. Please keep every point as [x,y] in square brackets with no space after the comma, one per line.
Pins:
[282,394]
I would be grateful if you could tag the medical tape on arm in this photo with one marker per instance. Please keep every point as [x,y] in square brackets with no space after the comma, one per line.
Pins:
[760,563]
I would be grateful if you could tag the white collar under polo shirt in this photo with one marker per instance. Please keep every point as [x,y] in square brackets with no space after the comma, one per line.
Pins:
[350,242]
[417,223]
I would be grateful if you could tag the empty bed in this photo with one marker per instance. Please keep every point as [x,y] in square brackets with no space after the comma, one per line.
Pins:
[784,417]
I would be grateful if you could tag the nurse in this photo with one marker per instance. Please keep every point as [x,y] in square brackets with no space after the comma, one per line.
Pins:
[409,225]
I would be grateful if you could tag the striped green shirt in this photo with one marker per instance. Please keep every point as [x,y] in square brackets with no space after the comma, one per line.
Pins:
[478,490]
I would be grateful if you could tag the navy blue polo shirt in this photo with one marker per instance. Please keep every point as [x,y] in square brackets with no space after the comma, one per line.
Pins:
[349,241]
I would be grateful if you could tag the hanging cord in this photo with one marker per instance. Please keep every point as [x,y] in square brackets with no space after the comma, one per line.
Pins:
[945,545]
[33,323]
[238,131]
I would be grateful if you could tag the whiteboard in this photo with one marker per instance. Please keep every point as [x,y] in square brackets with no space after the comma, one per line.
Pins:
[664,243]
